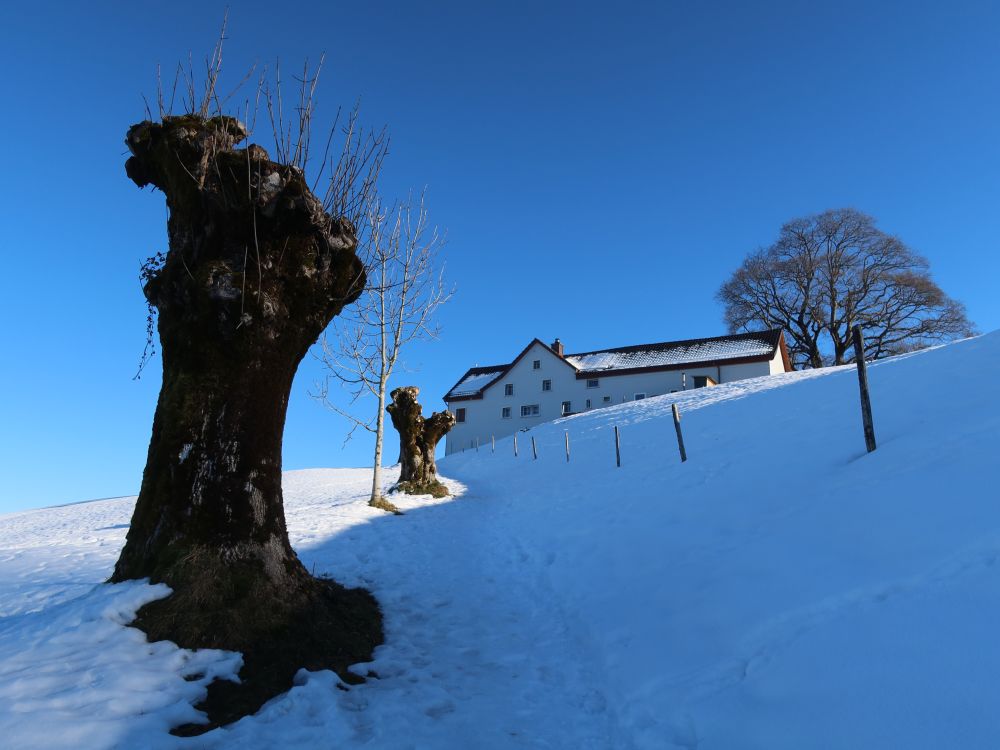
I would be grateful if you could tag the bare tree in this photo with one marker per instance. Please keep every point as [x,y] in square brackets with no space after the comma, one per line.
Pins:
[829,272]
[405,289]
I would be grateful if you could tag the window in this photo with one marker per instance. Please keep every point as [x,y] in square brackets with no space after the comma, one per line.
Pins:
[702,381]
[566,407]
[594,383]
[505,413]
[536,365]
[640,396]
[459,415]
[508,389]
[529,410]
[607,399]
[588,403]
[546,385]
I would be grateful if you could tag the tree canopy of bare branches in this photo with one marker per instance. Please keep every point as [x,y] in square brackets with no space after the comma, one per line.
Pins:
[405,289]
[828,272]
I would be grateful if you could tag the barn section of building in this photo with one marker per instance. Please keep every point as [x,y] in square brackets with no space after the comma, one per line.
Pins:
[544,383]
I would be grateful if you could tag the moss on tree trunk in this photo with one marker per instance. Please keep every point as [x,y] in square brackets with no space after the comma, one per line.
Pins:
[255,271]
[418,438]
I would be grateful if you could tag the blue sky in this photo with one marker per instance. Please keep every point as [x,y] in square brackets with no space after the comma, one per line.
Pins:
[600,169]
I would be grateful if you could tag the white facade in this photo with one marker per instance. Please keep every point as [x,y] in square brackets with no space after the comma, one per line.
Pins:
[541,386]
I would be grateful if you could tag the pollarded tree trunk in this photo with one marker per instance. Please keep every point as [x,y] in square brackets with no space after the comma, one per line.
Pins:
[255,271]
[435,427]
[417,439]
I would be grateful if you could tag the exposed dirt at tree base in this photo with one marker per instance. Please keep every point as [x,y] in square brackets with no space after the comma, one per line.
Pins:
[383,503]
[333,628]
[433,488]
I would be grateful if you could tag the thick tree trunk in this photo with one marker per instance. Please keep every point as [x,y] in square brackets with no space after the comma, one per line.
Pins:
[255,271]
[815,356]
[417,439]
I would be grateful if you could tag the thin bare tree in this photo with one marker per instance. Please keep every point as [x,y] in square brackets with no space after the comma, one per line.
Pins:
[829,272]
[405,289]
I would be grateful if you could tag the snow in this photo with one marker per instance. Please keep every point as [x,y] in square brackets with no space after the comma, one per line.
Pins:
[72,675]
[780,589]
[667,355]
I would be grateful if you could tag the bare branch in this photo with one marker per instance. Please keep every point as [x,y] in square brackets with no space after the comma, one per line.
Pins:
[826,273]
[405,288]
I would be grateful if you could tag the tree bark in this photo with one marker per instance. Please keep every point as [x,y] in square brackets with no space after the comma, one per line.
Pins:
[255,271]
[418,438]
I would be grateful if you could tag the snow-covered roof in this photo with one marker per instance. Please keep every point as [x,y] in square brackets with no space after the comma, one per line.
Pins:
[678,353]
[759,345]
[476,379]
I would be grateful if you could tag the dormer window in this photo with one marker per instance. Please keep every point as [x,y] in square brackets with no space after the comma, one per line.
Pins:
[508,389]
[536,365]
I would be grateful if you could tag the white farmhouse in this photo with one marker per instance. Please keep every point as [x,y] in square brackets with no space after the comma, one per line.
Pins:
[543,383]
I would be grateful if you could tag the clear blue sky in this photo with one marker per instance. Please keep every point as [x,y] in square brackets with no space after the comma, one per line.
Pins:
[601,168]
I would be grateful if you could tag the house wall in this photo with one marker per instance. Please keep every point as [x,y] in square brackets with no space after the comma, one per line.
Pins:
[483,417]
[777,363]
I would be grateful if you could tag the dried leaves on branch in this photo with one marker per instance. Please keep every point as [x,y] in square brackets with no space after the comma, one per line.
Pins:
[829,272]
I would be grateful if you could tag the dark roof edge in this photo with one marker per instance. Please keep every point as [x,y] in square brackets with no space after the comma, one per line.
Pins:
[785,359]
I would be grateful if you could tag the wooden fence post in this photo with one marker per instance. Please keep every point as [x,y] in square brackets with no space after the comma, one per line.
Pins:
[567,446]
[477,445]
[866,404]
[515,445]
[680,437]
[493,444]
[534,452]
[618,448]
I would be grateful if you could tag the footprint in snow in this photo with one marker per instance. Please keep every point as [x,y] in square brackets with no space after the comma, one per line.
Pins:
[440,709]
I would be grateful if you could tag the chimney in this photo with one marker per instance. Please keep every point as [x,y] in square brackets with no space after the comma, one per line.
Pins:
[557,347]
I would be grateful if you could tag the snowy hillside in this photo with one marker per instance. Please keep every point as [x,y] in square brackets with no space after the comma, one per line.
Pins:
[781,589]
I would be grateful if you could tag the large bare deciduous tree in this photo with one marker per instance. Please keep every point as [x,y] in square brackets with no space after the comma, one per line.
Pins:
[829,272]
[405,289]
[257,267]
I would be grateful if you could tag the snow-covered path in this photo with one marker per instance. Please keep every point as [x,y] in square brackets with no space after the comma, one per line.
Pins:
[476,654]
